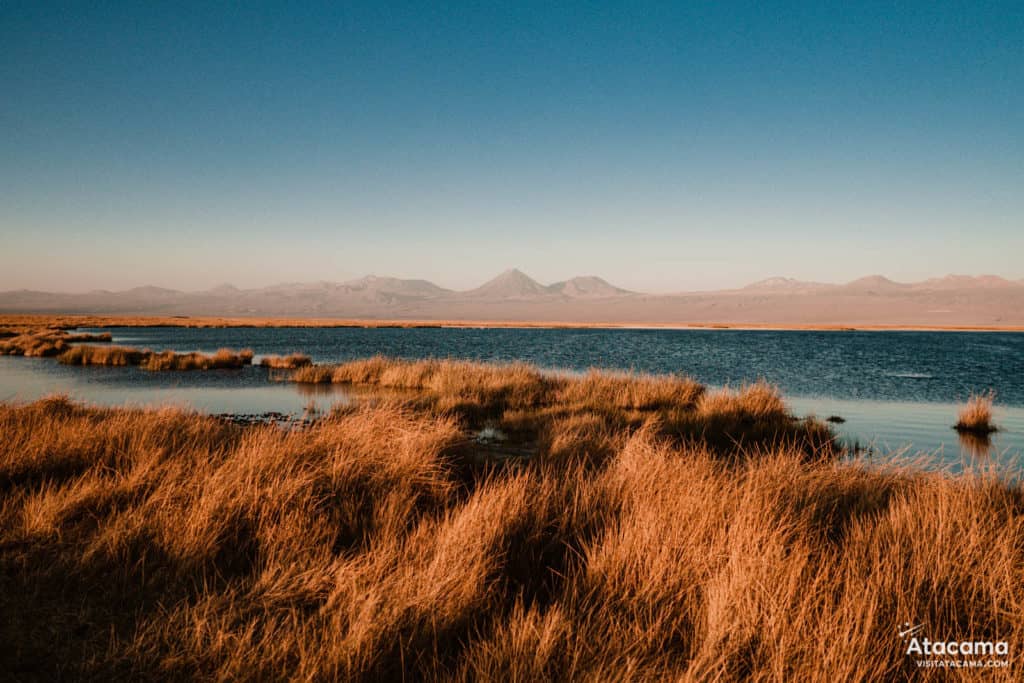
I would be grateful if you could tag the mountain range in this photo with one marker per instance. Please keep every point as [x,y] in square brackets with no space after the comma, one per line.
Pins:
[514,296]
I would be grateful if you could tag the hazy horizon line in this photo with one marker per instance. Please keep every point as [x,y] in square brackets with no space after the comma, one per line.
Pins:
[513,270]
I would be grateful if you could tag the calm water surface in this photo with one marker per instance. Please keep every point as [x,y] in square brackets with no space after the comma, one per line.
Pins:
[897,391]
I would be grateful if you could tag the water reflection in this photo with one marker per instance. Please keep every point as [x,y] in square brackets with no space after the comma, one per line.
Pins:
[976,445]
[888,430]
[333,391]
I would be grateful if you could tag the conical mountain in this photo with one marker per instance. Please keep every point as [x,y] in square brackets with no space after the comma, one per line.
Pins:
[512,284]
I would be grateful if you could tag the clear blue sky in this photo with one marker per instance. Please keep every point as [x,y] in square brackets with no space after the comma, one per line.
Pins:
[664,146]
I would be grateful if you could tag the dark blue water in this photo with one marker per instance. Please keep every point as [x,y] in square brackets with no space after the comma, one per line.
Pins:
[898,391]
[894,366]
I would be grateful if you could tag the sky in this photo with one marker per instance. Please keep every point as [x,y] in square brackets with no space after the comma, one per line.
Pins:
[663,146]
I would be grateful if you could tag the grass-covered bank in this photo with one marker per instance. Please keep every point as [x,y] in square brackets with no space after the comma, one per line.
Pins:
[369,545]
[44,343]
[80,349]
[155,360]
[584,414]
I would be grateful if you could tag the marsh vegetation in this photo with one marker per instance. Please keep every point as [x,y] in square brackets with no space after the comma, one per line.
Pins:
[288,362]
[975,417]
[154,360]
[44,343]
[655,530]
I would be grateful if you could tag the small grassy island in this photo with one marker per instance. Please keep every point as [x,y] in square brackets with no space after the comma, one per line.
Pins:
[975,418]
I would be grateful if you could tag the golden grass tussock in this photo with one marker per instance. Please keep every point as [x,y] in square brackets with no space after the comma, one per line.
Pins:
[289,362]
[463,386]
[976,416]
[77,349]
[166,544]
[47,342]
[222,359]
[89,337]
[153,360]
[756,401]
[631,391]
[102,355]
[514,383]
[312,374]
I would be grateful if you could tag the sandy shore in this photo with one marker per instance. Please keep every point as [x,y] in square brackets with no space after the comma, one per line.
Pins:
[35,321]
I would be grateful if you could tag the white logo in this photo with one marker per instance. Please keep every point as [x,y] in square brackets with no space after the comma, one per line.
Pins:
[909,630]
[952,654]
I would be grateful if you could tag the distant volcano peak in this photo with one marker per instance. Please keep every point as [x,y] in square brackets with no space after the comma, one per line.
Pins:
[512,283]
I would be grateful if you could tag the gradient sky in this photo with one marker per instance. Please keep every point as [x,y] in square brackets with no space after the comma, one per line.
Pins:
[664,146]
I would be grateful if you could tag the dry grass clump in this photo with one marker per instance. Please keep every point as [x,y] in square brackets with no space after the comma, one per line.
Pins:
[222,359]
[517,384]
[163,544]
[152,360]
[748,421]
[313,374]
[89,337]
[74,349]
[756,401]
[631,391]
[32,345]
[50,342]
[474,389]
[976,416]
[289,362]
[102,355]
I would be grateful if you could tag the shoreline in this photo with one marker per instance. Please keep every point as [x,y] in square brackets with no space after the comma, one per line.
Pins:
[69,321]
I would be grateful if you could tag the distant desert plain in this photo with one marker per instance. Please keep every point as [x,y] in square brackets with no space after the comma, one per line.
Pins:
[954,301]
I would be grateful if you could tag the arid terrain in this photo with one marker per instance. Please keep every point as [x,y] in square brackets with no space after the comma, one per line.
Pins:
[480,522]
[949,302]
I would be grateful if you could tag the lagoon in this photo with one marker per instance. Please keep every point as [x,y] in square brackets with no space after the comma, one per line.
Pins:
[898,392]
